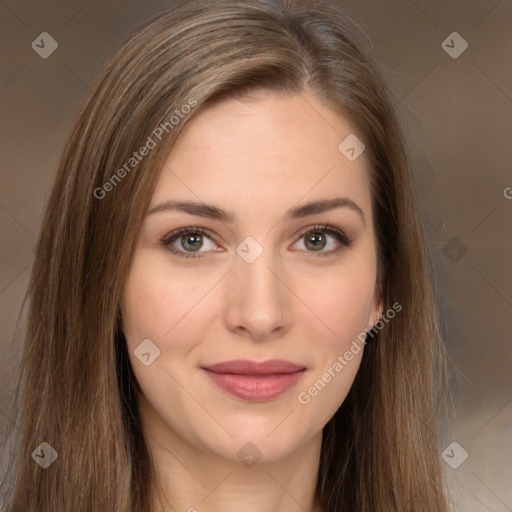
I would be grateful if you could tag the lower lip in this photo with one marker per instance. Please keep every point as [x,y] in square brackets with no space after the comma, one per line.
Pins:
[256,388]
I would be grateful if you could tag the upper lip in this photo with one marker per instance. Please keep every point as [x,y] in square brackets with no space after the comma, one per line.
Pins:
[247,367]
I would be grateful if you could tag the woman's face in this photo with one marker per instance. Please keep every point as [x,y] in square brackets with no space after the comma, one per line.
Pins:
[260,282]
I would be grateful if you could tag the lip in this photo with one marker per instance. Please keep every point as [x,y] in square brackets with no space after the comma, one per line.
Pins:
[255,381]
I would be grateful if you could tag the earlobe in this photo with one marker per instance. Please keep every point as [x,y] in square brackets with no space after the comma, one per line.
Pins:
[375,318]
[377,310]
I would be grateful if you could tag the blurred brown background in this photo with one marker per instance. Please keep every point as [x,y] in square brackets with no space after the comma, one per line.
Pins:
[456,105]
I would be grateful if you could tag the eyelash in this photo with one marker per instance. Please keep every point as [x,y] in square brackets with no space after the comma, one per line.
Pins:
[343,239]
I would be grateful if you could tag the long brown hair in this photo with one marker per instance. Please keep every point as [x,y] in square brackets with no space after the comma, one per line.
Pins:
[76,390]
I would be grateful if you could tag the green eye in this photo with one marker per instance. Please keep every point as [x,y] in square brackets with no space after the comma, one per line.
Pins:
[187,241]
[317,239]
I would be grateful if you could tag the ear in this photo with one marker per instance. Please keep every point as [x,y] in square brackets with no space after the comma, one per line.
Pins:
[377,308]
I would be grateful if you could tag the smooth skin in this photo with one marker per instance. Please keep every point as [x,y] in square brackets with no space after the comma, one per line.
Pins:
[304,299]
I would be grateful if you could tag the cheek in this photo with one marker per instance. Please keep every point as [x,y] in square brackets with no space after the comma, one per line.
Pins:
[155,300]
[342,306]
[158,305]
[341,301]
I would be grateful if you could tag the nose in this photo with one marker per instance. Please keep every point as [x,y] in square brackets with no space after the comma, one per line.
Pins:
[257,299]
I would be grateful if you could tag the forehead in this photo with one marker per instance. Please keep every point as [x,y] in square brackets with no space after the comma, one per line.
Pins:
[272,150]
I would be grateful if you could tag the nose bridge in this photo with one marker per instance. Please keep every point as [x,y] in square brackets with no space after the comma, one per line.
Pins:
[257,299]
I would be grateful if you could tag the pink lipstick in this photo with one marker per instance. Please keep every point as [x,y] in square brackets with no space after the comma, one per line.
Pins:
[255,381]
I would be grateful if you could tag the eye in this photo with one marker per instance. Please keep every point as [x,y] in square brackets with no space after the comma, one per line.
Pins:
[316,239]
[187,241]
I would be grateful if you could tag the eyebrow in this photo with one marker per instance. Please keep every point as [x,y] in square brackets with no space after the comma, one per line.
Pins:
[214,212]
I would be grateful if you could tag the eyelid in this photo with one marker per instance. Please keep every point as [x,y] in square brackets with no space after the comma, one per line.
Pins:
[323,227]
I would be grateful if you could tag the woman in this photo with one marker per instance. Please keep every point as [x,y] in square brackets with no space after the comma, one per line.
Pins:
[229,306]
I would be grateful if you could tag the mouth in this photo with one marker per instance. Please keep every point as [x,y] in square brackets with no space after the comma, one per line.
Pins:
[255,381]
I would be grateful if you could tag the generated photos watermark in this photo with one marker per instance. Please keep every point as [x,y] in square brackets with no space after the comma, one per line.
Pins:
[151,142]
[304,397]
